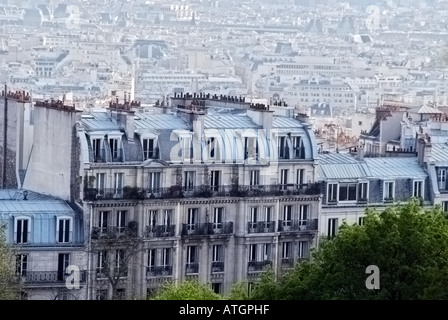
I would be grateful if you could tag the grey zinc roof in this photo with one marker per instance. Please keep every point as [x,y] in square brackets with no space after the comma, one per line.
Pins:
[99,121]
[34,206]
[158,121]
[344,166]
[439,153]
[283,122]
[228,122]
[394,167]
[341,166]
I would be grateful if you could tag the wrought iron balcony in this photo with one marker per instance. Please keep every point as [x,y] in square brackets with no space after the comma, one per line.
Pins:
[261,227]
[160,231]
[218,266]
[157,271]
[297,225]
[258,265]
[191,268]
[49,276]
[113,232]
[287,262]
[207,228]
[174,192]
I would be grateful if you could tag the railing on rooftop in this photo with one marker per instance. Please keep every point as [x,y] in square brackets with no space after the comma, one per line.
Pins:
[93,194]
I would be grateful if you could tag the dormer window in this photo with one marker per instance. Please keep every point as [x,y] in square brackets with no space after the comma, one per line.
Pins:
[149,151]
[298,151]
[114,150]
[250,147]
[283,150]
[98,152]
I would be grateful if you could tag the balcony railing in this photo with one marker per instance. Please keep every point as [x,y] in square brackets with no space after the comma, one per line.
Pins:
[49,276]
[258,265]
[112,232]
[287,262]
[191,268]
[207,228]
[93,194]
[160,231]
[297,225]
[157,271]
[217,266]
[151,154]
[261,226]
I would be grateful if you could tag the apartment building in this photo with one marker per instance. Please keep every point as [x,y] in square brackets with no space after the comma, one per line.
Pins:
[350,183]
[47,236]
[214,196]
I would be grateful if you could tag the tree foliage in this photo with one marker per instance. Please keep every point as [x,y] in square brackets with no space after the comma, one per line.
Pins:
[9,284]
[409,245]
[187,290]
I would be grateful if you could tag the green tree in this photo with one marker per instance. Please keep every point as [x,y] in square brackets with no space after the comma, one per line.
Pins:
[409,245]
[238,291]
[187,290]
[9,284]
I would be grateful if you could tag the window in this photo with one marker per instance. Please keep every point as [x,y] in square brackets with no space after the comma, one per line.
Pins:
[189,181]
[101,295]
[63,263]
[102,264]
[22,230]
[118,183]
[154,182]
[218,214]
[283,179]
[97,149]
[250,147]
[286,250]
[332,195]
[121,221]
[267,215]
[389,190]
[332,227]
[153,215]
[253,219]
[217,287]
[100,182]
[266,252]
[362,191]
[300,177]
[253,252]
[192,218]
[442,179]
[214,180]
[63,230]
[166,257]
[148,149]
[113,143]
[254,177]
[283,151]
[212,147]
[103,221]
[418,189]
[120,263]
[151,258]
[218,253]
[444,205]
[21,264]
[192,252]
[167,217]
[287,216]
[297,145]
[303,214]
[303,249]
[347,192]
[361,221]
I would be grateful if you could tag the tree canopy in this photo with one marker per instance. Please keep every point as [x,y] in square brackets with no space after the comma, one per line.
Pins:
[407,243]
[187,290]
[9,285]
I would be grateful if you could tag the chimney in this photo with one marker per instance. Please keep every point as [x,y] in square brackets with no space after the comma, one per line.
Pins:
[360,152]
